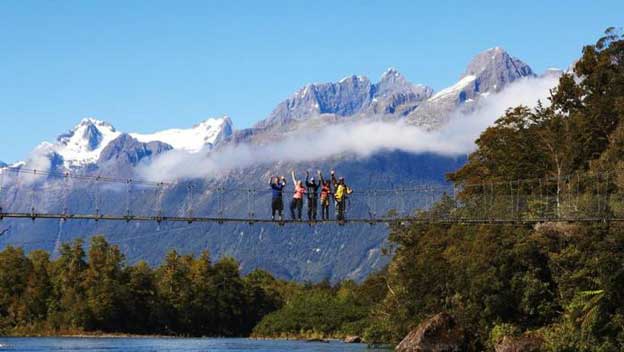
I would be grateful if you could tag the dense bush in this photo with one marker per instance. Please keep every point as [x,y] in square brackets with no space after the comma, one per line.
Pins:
[323,311]
[97,291]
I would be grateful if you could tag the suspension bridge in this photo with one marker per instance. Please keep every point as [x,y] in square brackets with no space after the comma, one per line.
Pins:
[65,196]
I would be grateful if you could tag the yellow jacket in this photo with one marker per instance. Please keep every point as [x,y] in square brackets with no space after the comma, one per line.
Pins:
[341,192]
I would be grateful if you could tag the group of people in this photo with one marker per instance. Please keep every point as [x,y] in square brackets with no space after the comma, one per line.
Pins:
[314,190]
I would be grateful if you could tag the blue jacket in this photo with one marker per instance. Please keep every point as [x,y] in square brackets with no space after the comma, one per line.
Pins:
[278,189]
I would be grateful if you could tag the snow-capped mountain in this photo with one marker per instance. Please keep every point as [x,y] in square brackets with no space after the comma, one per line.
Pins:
[205,134]
[394,97]
[2,163]
[86,142]
[83,144]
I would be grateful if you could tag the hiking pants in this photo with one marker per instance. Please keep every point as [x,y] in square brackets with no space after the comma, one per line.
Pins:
[277,206]
[325,208]
[312,206]
[296,204]
[340,209]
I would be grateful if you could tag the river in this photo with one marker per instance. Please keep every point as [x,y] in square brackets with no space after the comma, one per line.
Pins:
[102,344]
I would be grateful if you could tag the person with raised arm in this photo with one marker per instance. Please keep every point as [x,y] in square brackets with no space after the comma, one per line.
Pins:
[312,191]
[296,204]
[325,195]
[277,202]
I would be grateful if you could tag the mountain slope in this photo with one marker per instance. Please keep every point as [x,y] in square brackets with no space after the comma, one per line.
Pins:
[124,153]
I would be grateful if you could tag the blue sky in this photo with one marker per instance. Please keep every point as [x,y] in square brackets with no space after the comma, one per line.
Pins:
[150,65]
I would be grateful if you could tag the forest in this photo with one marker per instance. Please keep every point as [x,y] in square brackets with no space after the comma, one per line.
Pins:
[561,283]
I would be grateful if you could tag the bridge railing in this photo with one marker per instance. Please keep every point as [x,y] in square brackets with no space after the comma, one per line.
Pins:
[579,196]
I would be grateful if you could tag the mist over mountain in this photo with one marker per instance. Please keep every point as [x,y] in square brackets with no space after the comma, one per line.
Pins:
[391,133]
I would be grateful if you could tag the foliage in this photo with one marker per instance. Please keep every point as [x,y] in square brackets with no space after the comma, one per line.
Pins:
[565,282]
[323,311]
[97,291]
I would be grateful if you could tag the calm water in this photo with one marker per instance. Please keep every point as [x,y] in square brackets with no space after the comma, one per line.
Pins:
[170,344]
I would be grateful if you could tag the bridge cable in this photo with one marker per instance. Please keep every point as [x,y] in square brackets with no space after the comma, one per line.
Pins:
[220,193]
[159,210]
[96,191]
[189,208]
[64,187]
[128,192]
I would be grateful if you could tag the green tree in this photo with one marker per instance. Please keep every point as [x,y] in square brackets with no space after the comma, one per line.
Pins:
[175,290]
[142,303]
[104,282]
[15,268]
[231,302]
[38,291]
[69,308]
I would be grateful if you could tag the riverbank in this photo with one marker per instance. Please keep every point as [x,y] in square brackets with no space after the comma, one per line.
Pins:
[90,334]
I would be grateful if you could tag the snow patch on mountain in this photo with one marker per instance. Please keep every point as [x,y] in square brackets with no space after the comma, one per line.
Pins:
[454,89]
[83,144]
[192,140]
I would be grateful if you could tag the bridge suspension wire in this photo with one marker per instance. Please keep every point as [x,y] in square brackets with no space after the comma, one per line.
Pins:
[96,197]
[128,191]
[159,197]
[35,194]
[189,201]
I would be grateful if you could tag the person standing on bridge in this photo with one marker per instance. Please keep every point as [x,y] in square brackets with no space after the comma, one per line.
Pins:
[297,200]
[277,202]
[325,194]
[312,190]
[342,191]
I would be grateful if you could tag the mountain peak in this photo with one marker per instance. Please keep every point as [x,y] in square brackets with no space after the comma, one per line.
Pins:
[90,129]
[392,82]
[83,143]
[353,78]
[494,68]
[390,72]
[92,121]
[393,76]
